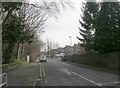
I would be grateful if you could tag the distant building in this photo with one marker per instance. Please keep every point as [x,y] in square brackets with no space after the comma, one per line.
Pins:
[68,50]
[55,52]
[74,50]
[78,50]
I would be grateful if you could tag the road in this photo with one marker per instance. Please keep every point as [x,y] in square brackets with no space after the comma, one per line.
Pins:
[57,73]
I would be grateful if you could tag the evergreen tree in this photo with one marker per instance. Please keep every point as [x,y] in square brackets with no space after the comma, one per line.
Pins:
[107,28]
[90,10]
[117,30]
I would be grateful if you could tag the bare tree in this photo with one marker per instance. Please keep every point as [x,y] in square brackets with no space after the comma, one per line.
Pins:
[31,19]
[35,48]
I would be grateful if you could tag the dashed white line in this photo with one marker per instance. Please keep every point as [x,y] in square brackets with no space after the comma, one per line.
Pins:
[39,79]
[63,63]
[68,72]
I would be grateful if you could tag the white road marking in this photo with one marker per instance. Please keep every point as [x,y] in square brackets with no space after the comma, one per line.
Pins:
[45,80]
[64,63]
[39,79]
[110,82]
[40,71]
[85,78]
[68,72]
[43,72]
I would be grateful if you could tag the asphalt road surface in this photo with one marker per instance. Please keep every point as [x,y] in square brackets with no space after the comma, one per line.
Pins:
[57,73]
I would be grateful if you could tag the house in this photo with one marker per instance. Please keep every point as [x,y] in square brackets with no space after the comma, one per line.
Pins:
[68,50]
[78,50]
[74,50]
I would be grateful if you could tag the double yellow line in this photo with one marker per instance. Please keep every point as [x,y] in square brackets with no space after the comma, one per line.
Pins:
[42,73]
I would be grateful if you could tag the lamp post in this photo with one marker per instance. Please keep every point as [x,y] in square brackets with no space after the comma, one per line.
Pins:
[70,40]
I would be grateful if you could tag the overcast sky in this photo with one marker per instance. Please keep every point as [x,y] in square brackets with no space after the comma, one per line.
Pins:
[59,30]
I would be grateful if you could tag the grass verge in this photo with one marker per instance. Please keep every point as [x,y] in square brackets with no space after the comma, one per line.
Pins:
[12,65]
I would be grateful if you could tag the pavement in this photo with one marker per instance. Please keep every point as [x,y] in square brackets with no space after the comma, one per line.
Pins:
[57,73]
[23,75]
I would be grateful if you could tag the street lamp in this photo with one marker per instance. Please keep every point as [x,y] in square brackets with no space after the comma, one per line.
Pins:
[70,40]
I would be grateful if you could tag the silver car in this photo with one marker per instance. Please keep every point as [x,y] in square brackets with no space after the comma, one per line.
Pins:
[43,58]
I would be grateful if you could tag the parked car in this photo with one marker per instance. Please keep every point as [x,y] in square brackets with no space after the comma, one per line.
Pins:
[43,58]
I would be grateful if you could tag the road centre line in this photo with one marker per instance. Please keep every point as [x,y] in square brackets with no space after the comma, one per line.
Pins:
[85,78]
[35,79]
[40,71]
[44,74]
[43,70]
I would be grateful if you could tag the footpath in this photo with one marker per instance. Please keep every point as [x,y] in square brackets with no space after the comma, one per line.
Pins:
[22,75]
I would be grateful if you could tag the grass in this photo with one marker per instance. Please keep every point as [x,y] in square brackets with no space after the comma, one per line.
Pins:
[13,64]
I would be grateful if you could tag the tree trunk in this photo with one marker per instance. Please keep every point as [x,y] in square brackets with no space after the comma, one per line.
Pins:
[22,51]
[18,54]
